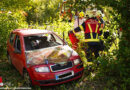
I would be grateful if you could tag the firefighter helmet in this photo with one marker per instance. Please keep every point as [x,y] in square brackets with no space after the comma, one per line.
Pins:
[89,14]
[98,13]
[81,14]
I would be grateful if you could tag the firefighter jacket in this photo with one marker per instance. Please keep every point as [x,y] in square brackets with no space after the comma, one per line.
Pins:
[91,30]
[101,22]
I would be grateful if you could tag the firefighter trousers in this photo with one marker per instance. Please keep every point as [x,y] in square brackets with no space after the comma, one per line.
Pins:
[92,48]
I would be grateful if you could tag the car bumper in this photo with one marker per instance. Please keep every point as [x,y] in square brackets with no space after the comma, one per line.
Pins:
[50,79]
[55,82]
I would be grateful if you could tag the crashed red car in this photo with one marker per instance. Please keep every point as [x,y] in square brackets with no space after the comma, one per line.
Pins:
[42,57]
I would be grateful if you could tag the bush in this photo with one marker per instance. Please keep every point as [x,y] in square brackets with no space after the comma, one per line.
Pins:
[9,22]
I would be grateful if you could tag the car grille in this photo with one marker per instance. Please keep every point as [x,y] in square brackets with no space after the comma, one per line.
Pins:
[58,67]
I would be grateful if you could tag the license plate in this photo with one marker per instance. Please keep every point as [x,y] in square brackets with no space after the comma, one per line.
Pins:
[64,75]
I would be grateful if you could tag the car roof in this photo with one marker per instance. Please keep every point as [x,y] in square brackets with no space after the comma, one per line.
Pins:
[26,32]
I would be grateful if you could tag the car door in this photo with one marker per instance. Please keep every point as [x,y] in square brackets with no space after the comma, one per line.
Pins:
[18,54]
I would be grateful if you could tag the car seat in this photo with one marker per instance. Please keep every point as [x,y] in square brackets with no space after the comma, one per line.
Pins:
[44,43]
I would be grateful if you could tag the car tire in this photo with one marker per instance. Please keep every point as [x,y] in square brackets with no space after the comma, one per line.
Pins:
[27,79]
[9,59]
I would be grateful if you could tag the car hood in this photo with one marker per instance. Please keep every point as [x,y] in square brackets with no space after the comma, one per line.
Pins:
[57,54]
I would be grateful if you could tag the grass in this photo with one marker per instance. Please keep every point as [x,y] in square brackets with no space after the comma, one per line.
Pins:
[10,76]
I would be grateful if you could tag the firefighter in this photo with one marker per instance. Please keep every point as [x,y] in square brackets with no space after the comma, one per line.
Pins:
[91,33]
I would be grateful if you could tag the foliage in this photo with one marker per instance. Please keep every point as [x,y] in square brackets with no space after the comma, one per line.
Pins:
[115,66]
[43,11]
[9,22]
[120,66]
[14,5]
[12,17]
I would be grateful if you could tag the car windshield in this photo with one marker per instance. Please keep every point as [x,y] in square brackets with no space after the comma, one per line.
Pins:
[41,41]
[55,55]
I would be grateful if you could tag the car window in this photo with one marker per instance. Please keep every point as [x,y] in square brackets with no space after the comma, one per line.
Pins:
[12,38]
[41,41]
[17,44]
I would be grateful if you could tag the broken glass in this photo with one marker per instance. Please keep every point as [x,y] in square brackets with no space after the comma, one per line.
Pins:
[57,54]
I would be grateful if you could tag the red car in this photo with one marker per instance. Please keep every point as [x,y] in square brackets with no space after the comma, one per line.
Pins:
[42,57]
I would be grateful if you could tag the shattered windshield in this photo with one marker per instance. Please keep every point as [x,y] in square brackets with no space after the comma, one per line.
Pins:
[41,41]
[58,54]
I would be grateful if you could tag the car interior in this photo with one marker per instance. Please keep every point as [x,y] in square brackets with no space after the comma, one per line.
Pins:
[41,41]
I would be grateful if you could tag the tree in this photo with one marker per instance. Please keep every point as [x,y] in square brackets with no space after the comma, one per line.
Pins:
[43,11]
[12,16]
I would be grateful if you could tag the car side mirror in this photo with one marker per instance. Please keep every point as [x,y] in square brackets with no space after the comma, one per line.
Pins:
[17,51]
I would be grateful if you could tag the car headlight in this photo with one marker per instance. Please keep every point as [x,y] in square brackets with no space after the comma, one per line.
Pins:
[42,69]
[76,61]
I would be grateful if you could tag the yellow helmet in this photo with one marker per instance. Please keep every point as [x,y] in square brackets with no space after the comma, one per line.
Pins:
[81,14]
